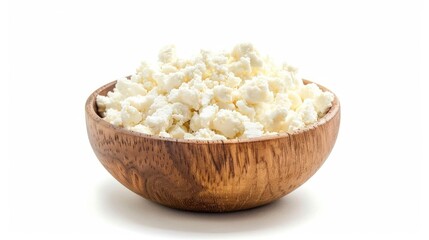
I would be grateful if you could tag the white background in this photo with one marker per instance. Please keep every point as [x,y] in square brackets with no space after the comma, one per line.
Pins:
[368,52]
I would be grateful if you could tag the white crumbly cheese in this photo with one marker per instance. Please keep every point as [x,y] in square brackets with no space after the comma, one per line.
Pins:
[322,102]
[256,90]
[252,129]
[204,134]
[130,115]
[140,128]
[214,96]
[307,112]
[229,123]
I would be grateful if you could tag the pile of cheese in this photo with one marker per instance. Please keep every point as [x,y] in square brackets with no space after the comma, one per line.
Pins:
[214,96]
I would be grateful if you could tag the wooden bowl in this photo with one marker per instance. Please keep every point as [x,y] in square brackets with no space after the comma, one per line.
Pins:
[211,176]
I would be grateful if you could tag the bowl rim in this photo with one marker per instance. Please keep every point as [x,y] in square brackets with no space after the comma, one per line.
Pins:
[90,109]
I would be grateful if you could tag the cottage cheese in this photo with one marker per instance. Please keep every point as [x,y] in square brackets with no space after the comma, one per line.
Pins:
[214,96]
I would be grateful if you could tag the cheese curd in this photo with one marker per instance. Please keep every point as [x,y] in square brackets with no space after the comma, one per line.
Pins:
[214,96]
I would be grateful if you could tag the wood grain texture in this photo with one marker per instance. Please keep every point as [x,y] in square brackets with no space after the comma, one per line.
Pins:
[211,176]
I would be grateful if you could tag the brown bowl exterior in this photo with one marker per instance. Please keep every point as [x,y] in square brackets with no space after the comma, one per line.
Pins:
[211,176]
